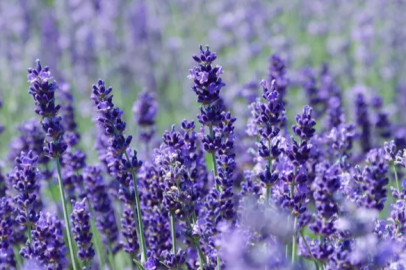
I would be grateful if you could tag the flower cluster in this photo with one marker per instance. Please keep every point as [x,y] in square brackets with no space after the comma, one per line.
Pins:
[43,91]
[81,230]
[209,194]
[47,247]
[25,180]
[145,110]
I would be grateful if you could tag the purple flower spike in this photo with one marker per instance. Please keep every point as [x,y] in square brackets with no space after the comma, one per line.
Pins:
[206,77]
[43,93]
[81,230]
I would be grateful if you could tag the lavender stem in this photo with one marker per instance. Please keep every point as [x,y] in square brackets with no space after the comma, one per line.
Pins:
[65,214]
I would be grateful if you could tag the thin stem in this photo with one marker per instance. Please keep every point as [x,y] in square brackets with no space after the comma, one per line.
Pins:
[307,245]
[111,257]
[96,238]
[140,224]
[218,263]
[28,226]
[137,229]
[270,158]
[173,232]
[65,214]
[17,256]
[49,183]
[213,159]
[197,244]
[294,241]
[200,254]
[268,194]
[396,177]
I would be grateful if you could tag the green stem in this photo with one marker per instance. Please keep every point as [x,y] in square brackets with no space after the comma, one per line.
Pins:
[213,160]
[65,214]
[218,263]
[173,232]
[16,249]
[97,238]
[28,226]
[307,245]
[111,257]
[294,240]
[270,158]
[197,244]
[140,224]
[396,177]
[268,194]
[200,254]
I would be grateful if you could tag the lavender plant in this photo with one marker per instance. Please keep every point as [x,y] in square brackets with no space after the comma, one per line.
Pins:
[120,164]
[237,189]
[43,93]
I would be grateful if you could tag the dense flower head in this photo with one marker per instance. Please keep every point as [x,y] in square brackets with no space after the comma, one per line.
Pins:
[69,124]
[325,185]
[304,127]
[25,180]
[47,247]
[373,180]
[271,113]
[277,73]
[145,110]
[31,137]
[213,195]
[342,138]
[101,203]
[81,230]
[43,93]
[391,150]
[174,261]
[299,153]
[110,119]
[130,244]
[72,164]
[43,90]
[7,259]
[206,77]
[363,121]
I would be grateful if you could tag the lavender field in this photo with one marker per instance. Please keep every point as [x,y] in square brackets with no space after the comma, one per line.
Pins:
[207,134]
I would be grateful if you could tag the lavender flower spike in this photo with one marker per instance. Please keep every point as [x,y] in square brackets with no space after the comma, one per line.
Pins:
[25,180]
[81,230]
[43,93]
[122,165]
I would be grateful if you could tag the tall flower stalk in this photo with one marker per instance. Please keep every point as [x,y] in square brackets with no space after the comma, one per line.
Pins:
[122,165]
[219,142]
[43,90]
[207,86]
[81,229]
[25,180]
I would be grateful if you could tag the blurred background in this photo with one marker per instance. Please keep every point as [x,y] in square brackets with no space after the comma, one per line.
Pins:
[139,44]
